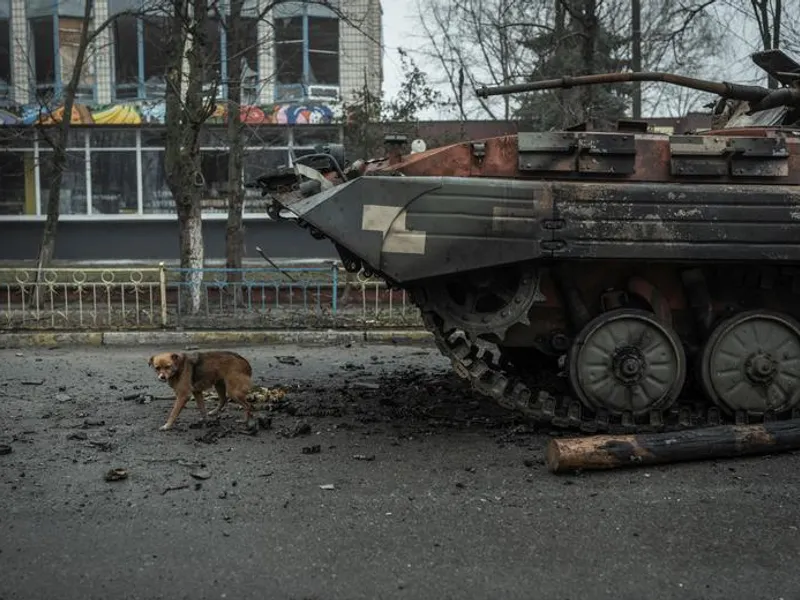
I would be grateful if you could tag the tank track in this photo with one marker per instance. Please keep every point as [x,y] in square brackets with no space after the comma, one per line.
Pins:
[547,406]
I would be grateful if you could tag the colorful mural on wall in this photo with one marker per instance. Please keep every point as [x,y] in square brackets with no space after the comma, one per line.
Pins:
[154,113]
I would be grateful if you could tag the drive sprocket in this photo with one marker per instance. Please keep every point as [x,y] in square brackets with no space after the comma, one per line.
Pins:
[486,302]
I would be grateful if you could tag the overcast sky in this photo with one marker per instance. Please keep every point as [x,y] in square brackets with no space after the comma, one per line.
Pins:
[398,25]
[401,28]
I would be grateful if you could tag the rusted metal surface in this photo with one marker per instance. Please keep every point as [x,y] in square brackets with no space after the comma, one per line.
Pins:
[594,156]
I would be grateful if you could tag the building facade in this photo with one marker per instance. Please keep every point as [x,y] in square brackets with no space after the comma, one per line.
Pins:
[300,62]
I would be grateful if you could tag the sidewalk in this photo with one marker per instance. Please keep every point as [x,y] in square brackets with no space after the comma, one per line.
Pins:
[330,337]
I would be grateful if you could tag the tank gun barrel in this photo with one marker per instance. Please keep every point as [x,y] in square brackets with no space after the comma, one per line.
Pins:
[751,93]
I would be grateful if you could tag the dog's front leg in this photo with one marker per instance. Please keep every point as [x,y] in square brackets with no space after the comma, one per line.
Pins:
[180,402]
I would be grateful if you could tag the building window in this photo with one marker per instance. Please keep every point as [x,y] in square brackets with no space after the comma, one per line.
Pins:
[16,181]
[214,166]
[247,56]
[306,51]
[114,172]
[212,56]
[140,62]
[55,31]
[156,195]
[73,182]
[69,41]
[223,51]
[5,49]
[126,64]
[46,74]
[120,171]
[114,182]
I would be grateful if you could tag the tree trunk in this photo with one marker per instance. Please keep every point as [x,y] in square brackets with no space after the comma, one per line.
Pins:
[186,113]
[617,451]
[59,144]
[636,55]
[234,231]
[190,239]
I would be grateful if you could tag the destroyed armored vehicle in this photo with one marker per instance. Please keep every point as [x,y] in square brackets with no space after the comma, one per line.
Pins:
[599,280]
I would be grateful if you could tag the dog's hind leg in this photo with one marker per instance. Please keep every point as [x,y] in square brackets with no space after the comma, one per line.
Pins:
[201,405]
[238,391]
[223,399]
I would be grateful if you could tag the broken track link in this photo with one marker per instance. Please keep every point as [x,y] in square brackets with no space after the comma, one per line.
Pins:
[547,407]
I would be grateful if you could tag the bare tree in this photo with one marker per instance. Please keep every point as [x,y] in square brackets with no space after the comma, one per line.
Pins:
[758,25]
[369,117]
[55,124]
[59,144]
[505,41]
[234,230]
[187,111]
[473,42]
[676,36]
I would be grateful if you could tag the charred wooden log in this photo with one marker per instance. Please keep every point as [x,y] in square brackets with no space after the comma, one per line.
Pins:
[613,452]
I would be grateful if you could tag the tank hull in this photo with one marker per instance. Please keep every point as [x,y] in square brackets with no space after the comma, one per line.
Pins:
[412,228]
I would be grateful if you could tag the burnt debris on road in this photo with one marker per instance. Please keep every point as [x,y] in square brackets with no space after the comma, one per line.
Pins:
[370,471]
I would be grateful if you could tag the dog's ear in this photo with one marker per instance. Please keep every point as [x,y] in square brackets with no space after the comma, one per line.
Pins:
[176,358]
[150,362]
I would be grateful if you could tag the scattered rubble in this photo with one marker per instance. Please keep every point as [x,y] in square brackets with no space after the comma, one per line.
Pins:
[116,475]
[173,488]
[298,430]
[288,360]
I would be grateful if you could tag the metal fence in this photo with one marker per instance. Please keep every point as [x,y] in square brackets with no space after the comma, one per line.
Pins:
[159,298]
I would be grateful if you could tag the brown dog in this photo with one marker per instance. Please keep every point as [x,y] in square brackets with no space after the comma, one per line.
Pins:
[191,374]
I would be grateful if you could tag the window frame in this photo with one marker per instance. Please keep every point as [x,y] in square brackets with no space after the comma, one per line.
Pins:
[283,91]
[141,57]
[274,138]
[141,72]
[5,21]
[58,83]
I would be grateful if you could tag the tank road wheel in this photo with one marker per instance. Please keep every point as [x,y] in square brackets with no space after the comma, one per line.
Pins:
[485,302]
[751,362]
[625,361]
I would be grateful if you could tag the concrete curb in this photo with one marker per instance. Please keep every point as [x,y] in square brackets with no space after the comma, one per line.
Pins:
[330,337]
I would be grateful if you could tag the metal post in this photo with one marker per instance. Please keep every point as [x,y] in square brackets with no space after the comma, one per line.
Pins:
[162,284]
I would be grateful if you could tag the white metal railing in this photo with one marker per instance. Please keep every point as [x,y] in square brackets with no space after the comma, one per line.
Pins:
[307,296]
[64,298]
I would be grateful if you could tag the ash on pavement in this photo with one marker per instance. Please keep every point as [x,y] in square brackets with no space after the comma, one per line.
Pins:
[377,475]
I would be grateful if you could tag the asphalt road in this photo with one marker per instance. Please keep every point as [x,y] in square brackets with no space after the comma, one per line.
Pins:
[455,504]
